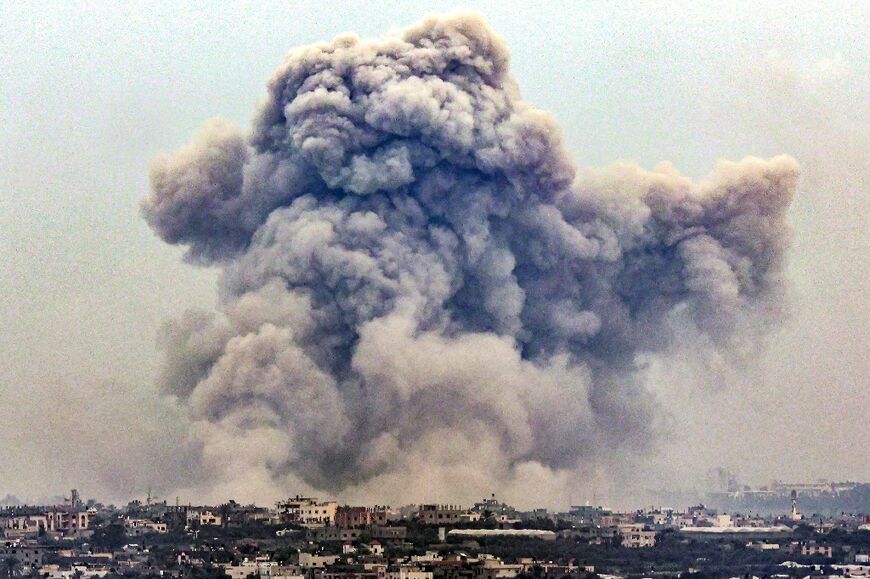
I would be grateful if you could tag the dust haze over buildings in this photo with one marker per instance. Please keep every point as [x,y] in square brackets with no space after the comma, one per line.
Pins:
[421,295]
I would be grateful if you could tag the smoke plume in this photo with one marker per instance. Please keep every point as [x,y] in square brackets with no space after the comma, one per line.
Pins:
[421,294]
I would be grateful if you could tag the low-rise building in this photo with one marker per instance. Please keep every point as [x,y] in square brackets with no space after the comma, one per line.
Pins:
[328,534]
[762,546]
[811,548]
[316,561]
[241,570]
[33,521]
[29,557]
[410,572]
[203,517]
[497,569]
[637,536]
[348,517]
[307,511]
[445,515]
[138,527]
[388,533]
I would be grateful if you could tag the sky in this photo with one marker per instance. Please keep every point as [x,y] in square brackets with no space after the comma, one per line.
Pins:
[90,93]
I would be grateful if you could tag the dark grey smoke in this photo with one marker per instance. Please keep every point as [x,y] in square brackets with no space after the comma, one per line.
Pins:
[416,276]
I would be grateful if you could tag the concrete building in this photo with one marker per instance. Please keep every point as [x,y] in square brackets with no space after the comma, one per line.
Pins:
[334,534]
[202,517]
[307,511]
[811,548]
[637,536]
[241,570]
[409,572]
[762,546]
[54,519]
[496,569]
[389,533]
[29,557]
[529,533]
[445,515]
[138,527]
[592,534]
[348,517]
[20,526]
[315,561]
[494,508]
[775,533]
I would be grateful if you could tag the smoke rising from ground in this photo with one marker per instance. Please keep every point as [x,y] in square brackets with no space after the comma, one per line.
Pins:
[421,294]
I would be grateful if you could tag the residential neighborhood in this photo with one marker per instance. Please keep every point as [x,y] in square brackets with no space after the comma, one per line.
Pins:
[306,537]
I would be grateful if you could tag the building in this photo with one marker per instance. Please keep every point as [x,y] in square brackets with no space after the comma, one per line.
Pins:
[496,569]
[492,507]
[348,517]
[22,525]
[445,515]
[585,515]
[354,574]
[389,533]
[35,521]
[409,572]
[773,534]
[529,533]
[241,570]
[637,536]
[617,519]
[202,517]
[137,527]
[592,534]
[333,534]
[762,546]
[811,548]
[29,557]
[307,511]
[314,561]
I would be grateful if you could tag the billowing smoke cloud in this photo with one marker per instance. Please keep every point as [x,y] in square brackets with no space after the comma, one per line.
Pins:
[421,295]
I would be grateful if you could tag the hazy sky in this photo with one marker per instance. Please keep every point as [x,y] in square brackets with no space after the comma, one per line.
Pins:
[90,93]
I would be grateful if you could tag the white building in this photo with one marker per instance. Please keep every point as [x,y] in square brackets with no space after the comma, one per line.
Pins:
[307,511]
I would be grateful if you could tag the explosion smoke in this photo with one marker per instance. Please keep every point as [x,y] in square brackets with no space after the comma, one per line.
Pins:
[415,273]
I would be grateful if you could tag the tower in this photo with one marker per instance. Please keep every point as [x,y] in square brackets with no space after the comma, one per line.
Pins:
[795,515]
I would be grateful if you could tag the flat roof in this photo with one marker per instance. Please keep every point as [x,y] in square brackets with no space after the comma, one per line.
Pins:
[736,530]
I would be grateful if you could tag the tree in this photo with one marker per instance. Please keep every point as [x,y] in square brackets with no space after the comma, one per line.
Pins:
[11,567]
[110,537]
